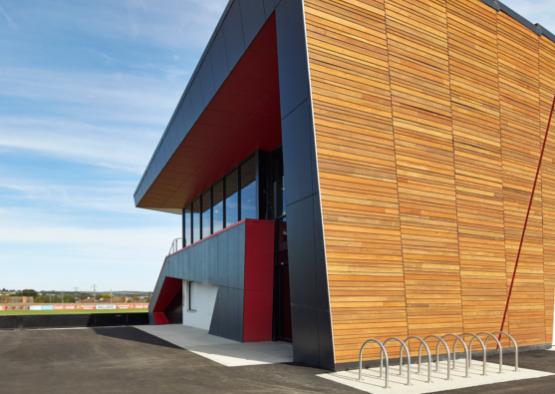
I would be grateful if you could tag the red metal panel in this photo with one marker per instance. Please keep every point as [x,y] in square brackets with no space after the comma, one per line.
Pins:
[170,289]
[243,116]
[259,281]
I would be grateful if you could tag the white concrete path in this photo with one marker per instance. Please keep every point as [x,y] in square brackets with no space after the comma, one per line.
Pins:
[221,350]
[397,384]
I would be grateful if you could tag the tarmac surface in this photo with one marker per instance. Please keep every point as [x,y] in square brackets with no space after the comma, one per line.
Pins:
[127,360]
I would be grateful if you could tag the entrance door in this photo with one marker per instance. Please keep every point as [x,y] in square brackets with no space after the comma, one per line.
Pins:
[282,300]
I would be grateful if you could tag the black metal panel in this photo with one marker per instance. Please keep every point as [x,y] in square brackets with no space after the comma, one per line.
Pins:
[298,153]
[310,311]
[292,59]
[300,245]
[306,341]
[233,33]
[269,6]
[220,67]
[207,81]
[229,305]
[195,96]
[253,17]
[492,3]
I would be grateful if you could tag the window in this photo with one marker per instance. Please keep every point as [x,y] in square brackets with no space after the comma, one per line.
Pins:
[218,206]
[187,226]
[249,203]
[196,220]
[231,198]
[206,214]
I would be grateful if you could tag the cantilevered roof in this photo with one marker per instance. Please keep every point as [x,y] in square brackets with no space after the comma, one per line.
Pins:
[210,91]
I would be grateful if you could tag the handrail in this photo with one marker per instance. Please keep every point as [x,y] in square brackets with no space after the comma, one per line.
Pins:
[484,350]
[489,335]
[175,246]
[383,353]
[446,346]
[422,342]
[406,349]
[466,353]
[500,333]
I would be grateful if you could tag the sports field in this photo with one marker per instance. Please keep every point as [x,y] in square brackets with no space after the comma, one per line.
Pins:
[70,312]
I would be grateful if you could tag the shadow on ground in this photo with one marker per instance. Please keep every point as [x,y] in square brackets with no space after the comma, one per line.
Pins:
[133,334]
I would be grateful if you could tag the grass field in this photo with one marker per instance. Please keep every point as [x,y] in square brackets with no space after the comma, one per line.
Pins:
[70,312]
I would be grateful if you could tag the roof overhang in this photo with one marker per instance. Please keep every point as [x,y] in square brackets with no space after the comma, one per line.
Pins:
[242,117]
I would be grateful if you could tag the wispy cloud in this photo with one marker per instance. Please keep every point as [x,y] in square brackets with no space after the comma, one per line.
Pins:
[114,147]
[86,90]
[9,20]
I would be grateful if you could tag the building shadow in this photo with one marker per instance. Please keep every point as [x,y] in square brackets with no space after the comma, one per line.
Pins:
[133,334]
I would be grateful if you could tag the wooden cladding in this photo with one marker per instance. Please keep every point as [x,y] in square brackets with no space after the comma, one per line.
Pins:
[429,117]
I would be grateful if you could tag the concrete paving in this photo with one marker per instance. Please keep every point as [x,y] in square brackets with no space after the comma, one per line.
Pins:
[223,351]
[128,360]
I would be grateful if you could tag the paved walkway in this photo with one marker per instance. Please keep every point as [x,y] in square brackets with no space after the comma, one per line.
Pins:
[223,351]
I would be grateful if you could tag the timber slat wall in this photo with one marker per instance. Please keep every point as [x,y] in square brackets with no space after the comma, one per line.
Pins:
[429,116]
[547,87]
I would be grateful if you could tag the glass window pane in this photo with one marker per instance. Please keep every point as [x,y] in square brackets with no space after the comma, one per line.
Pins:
[218,206]
[249,190]
[187,226]
[196,220]
[231,199]
[206,213]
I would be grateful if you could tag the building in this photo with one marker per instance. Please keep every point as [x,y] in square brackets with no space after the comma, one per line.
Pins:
[349,169]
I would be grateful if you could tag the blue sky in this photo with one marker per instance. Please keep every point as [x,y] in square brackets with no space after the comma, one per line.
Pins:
[86,89]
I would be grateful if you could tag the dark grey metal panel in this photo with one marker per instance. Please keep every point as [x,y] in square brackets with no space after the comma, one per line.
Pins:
[207,81]
[229,305]
[544,32]
[299,157]
[253,17]
[302,257]
[310,311]
[196,100]
[292,59]
[233,33]
[492,3]
[270,6]
[220,67]
[219,261]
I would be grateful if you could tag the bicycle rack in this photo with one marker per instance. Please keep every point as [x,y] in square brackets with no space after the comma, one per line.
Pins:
[484,350]
[446,346]
[466,353]
[501,333]
[499,346]
[405,348]
[440,341]
[422,342]
[383,353]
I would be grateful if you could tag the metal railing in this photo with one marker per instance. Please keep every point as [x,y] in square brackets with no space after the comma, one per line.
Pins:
[465,340]
[177,245]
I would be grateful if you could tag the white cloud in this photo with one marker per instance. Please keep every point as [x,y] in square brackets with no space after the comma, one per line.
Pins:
[121,148]
[114,197]
[98,96]
[7,17]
